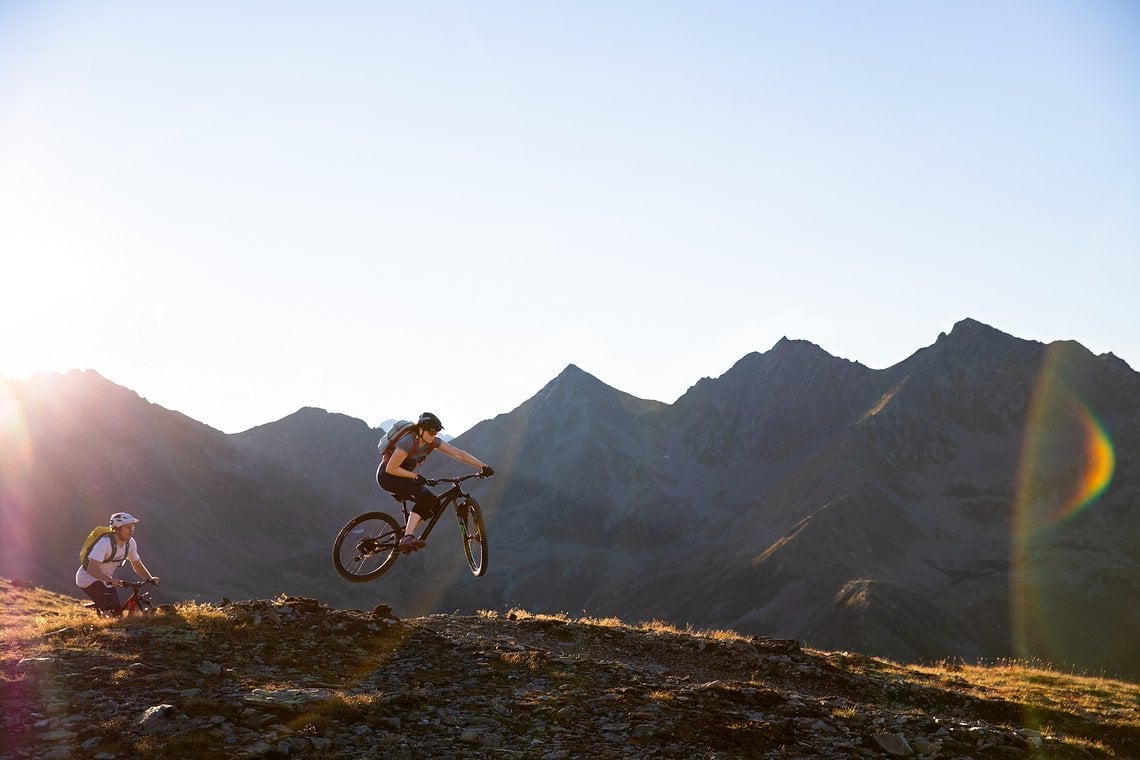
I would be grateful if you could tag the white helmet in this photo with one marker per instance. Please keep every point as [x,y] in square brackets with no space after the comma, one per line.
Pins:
[120,519]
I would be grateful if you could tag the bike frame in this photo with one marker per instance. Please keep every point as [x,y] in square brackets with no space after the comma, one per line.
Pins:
[136,602]
[137,597]
[446,499]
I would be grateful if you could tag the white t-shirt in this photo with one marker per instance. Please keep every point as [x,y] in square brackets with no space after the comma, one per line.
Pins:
[108,555]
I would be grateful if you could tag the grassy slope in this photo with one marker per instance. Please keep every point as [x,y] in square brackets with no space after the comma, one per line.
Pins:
[1082,716]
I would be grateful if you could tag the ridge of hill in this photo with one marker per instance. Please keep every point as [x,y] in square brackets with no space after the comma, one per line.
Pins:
[293,677]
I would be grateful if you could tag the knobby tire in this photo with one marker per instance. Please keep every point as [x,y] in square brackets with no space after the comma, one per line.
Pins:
[366,547]
[473,534]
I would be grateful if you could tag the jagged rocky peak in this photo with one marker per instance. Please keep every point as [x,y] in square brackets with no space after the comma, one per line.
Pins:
[1113,360]
[793,378]
[800,354]
[974,351]
[796,346]
[310,411]
[789,362]
[574,383]
[574,373]
[317,416]
[306,416]
[970,334]
[574,393]
[308,420]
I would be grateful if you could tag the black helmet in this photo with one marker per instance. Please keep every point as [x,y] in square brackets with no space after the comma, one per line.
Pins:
[430,423]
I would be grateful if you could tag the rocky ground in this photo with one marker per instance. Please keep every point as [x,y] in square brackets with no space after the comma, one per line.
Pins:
[293,678]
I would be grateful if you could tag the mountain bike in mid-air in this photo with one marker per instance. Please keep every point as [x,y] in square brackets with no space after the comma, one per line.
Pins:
[368,545]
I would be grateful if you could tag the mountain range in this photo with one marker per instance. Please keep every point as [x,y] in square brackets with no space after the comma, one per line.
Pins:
[977,500]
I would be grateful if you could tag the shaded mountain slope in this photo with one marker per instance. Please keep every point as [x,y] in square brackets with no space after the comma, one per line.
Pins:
[216,519]
[336,453]
[910,484]
[978,499]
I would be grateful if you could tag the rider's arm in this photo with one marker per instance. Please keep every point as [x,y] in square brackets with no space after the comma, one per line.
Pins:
[96,571]
[460,455]
[140,568]
[394,462]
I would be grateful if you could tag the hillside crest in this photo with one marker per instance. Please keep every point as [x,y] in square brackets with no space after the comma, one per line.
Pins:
[293,677]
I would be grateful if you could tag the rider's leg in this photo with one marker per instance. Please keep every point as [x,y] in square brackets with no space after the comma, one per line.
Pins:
[403,489]
[426,506]
[105,598]
[413,523]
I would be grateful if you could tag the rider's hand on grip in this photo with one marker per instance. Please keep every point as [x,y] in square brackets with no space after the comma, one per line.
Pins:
[421,480]
[486,472]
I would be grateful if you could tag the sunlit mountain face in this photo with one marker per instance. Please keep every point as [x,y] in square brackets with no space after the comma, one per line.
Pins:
[976,500]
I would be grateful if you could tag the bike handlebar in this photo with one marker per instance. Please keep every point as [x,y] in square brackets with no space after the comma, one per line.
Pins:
[455,481]
[136,584]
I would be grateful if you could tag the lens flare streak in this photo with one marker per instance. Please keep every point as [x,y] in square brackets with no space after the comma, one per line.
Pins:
[1100,462]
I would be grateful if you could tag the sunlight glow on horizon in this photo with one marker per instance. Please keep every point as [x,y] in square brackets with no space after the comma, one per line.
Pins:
[14,502]
[648,192]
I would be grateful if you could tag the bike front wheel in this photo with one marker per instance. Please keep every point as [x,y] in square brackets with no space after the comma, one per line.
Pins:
[140,607]
[366,547]
[473,532]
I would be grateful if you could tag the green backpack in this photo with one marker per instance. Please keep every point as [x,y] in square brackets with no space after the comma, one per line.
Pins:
[95,535]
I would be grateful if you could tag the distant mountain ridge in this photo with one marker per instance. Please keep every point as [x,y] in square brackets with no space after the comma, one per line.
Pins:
[799,495]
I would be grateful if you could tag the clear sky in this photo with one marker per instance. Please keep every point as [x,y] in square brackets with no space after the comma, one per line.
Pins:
[237,209]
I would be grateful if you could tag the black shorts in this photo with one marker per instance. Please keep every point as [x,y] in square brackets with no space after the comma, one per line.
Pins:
[106,599]
[406,488]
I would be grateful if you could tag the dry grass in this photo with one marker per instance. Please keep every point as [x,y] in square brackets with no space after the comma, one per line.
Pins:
[1034,692]
[1039,687]
[31,617]
[658,626]
[651,626]
[1084,714]
[203,617]
[527,660]
[35,622]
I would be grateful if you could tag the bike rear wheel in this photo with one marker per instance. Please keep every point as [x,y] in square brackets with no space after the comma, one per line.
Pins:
[366,547]
[473,532]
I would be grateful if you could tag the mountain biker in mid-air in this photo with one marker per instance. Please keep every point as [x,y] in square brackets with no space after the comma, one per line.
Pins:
[96,575]
[396,472]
